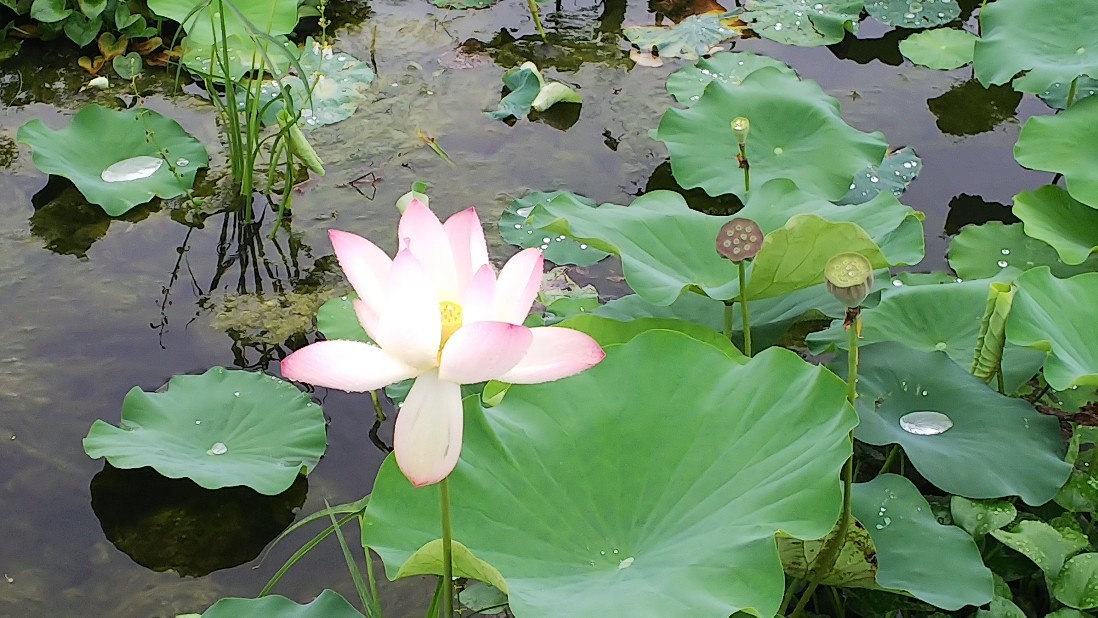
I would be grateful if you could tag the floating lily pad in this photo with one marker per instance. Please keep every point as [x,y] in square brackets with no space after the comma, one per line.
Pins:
[655,517]
[331,88]
[894,174]
[1066,143]
[1004,252]
[328,605]
[1051,40]
[803,22]
[106,154]
[219,429]
[558,249]
[942,318]
[969,108]
[967,459]
[913,13]
[1052,215]
[937,564]
[1057,94]
[1054,315]
[943,48]
[202,19]
[529,90]
[688,83]
[244,54]
[797,133]
[690,38]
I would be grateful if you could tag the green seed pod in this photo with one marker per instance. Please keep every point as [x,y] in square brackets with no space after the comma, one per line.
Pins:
[740,128]
[298,145]
[849,278]
[739,239]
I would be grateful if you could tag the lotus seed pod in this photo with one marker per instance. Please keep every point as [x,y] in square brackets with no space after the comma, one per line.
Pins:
[739,239]
[849,278]
[740,128]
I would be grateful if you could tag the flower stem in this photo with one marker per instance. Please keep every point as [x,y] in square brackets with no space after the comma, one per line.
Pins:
[447,551]
[746,167]
[743,310]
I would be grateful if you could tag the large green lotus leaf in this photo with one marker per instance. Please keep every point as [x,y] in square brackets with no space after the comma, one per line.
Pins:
[338,81]
[609,332]
[695,308]
[1051,39]
[690,38]
[942,48]
[938,564]
[243,17]
[515,229]
[943,318]
[913,13]
[244,55]
[796,133]
[328,605]
[1052,215]
[894,174]
[688,83]
[1057,94]
[1005,251]
[337,319]
[219,429]
[1056,316]
[793,257]
[967,459]
[102,143]
[803,22]
[589,501]
[1066,143]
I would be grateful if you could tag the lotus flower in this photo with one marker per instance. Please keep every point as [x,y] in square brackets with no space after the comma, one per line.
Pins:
[438,312]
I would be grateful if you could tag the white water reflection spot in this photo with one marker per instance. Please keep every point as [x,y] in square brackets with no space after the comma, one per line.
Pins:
[134,168]
[925,423]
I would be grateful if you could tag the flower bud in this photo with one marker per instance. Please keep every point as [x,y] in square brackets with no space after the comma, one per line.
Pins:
[740,128]
[849,278]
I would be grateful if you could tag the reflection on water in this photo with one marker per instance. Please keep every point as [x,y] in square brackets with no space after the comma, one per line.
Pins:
[68,224]
[968,108]
[965,209]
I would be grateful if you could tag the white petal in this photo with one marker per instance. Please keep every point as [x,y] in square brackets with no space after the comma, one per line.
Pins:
[427,436]
[470,251]
[483,351]
[517,286]
[478,303]
[554,353]
[347,365]
[422,233]
[410,326]
[364,264]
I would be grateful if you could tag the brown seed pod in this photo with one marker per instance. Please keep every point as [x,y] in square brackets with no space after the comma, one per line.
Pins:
[739,239]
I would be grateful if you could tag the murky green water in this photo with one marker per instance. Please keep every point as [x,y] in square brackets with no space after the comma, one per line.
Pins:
[93,307]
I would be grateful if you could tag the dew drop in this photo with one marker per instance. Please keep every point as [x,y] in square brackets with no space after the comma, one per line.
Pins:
[778,150]
[218,448]
[625,564]
[236,394]
[583,246]
[874,179]
[182,162]
[134,168]
[518,226]
[1080,51]
[1002,263]
[198,422]
[925,423]
[897,282]
[1006,251]
[941,347]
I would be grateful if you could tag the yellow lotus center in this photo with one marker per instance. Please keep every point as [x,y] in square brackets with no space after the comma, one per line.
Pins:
[451,320]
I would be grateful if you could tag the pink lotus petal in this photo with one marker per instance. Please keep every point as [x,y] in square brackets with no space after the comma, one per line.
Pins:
[483,351]
[427,436]
[517,286]
[555,353]
[347,365]
[410,327]
[364,264]
[470,252]
[478,304]
[367,317]
[422,233]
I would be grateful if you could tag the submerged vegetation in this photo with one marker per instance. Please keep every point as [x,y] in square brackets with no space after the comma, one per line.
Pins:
[787,413]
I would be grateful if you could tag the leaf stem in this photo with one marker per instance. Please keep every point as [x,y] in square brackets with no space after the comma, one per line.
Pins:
[447,550]
[743,310]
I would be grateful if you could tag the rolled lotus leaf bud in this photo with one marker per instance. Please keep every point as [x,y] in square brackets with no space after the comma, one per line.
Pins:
[739,239]
[740,128]
[298,144]
[849,278]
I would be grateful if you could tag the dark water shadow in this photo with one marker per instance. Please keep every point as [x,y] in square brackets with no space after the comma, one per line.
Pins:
[174,525]
[967,209]
[68,224]
[722,205]
[969,109]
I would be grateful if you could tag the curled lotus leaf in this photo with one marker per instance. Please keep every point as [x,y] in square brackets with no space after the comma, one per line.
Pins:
[1052,215]
[1066,143]
[1053,315]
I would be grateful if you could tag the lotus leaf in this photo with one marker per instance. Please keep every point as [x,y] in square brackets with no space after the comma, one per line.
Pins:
[202,19]
[943,318]
[943,48]
[856,566]
[610,332]
[1057,94]
[978,517]
[803,22]
[1053,40]
[656,516]
[49,11]
[219,429]
[515,229]
[692,37]
[1004,251]
[938,564]
[483,599]
[1053,315]
[102,149]
[428,559]
[244,55]
[913,13]
[328,605]
[1046,546]
[1077,585]
[337,319]
[968,459]
[1066,143]
[688,83]
[1052,215]
[796,133]
[894,174]
[528,89]
[969,108]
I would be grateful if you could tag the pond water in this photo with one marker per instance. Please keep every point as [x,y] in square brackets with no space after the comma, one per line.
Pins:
[93,307]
